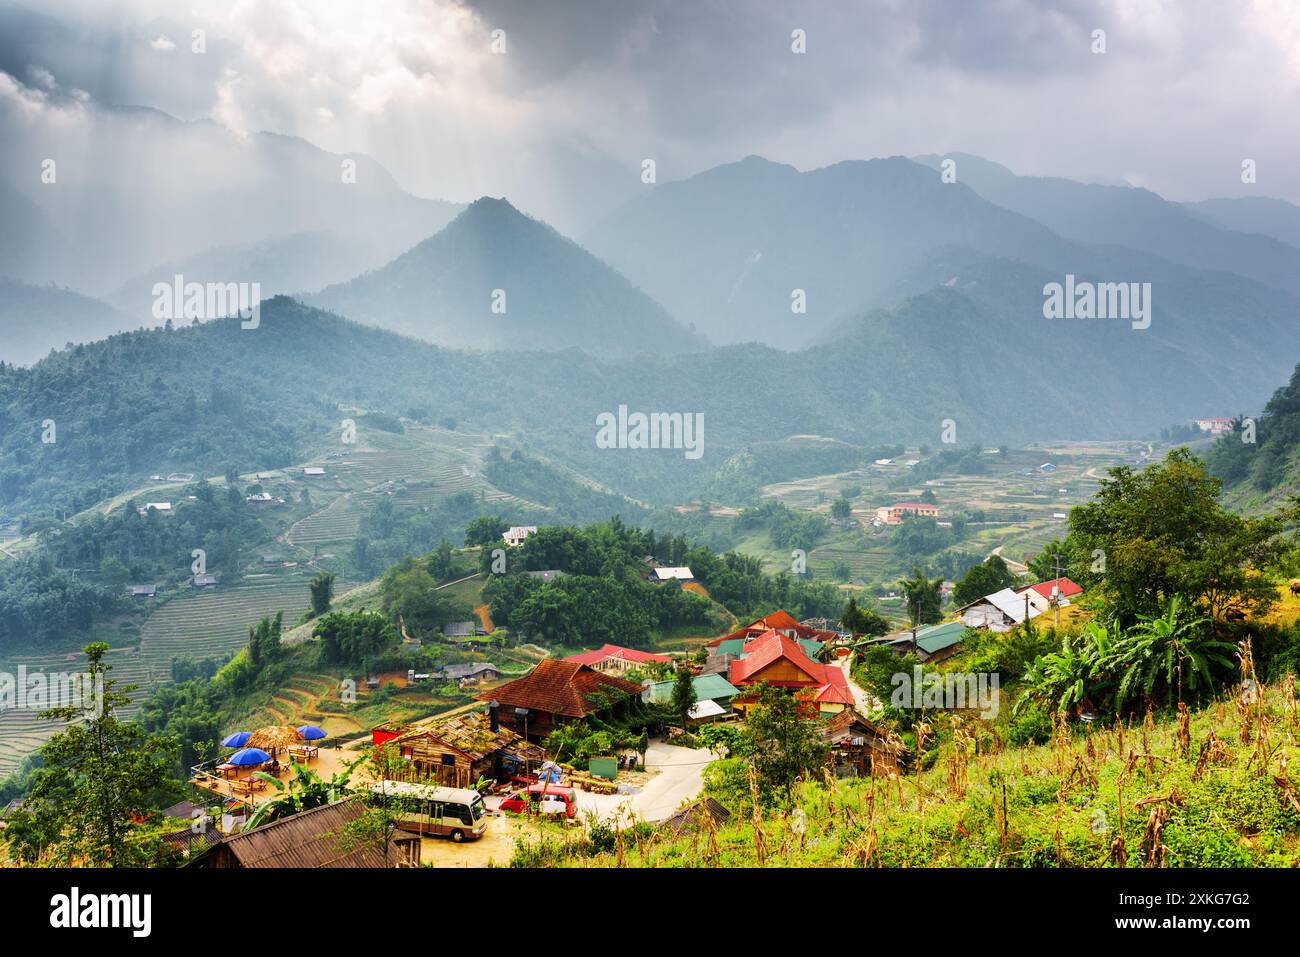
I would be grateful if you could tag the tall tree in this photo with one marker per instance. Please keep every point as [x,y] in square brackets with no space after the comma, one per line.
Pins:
[322,593]
[862,621]
[684,697]
[923,597]
[781,743]
[988,576]
[97,777]
[1148,536]
[486,530]
[1052,562]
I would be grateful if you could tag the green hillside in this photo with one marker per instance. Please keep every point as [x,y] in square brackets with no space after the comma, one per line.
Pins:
[1212,791]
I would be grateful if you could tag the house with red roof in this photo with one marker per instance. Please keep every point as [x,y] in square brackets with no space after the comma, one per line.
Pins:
[1044,594]
[557,692]
[781,621]
[893,514]
[616,660]
[1216,426]
[780,661]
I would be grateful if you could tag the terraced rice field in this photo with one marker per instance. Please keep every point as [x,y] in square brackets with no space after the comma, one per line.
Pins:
[297,704]
[869,564]
[337,522]
[422,468]
[22,732]
[214,622]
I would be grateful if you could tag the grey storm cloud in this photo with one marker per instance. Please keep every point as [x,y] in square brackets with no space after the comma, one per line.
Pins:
[588,89]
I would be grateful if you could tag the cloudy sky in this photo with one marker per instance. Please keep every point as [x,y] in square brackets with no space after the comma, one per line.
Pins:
[585,91]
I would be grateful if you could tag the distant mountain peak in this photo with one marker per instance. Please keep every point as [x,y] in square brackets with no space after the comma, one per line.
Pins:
[490,204]
[751,165]
[496,278]
[492,213]
[753,159]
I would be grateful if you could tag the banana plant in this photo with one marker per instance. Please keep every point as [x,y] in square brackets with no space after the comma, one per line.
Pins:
[304,791]
[1158,647]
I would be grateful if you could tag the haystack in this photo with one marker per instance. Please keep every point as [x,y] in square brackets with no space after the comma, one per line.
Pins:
[274,737]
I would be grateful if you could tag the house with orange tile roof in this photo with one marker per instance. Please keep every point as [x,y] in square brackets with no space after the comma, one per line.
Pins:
[780,661]
[781,621]
[1045,595]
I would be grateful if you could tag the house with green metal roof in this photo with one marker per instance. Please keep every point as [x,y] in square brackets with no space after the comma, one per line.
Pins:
[939,641]
[933,643]
[707,688]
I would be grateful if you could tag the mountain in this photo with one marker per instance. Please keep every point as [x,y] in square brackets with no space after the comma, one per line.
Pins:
[302,262]
[976,342]
[212,396]
[1129,217]
[726,249]
[1252,214]
[36,319]
[571,184]
[1265,472]
[194,186]
[549,292]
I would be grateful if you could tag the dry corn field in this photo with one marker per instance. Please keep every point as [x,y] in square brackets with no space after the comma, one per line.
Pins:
[1215,788]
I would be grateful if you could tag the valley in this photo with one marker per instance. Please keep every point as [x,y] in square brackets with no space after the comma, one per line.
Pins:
[423,466]
[483,433]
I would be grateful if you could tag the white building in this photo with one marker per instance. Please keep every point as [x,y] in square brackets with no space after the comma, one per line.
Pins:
[999,612]
[680,573]
[515,534]
[1214,426]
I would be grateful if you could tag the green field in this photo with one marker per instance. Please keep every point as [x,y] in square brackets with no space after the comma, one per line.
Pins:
[1003,493]
[420,467]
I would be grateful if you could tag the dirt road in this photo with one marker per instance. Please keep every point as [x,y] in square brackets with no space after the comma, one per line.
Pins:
[679,779]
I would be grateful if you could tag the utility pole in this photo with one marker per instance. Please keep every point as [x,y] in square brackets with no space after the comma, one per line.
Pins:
[1056,591]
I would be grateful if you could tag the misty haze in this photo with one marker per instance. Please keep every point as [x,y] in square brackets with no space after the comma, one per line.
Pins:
[465,433]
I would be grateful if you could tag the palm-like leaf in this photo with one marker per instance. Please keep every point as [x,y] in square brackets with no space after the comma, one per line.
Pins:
[1157,648]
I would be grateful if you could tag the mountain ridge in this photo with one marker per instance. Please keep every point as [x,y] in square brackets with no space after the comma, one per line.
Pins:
[468,285]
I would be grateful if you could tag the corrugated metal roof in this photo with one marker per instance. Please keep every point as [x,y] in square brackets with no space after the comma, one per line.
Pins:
[740,646]
[680,572]
[307,839]
[707,688]
[705,709]
[939,637]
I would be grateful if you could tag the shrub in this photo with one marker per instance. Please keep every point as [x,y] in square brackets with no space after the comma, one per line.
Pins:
[1032,725]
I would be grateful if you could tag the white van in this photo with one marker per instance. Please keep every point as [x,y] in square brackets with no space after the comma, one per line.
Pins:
[426,809]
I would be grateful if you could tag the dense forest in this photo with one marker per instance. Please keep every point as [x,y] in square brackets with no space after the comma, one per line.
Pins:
[603,594]
[1262,454]
[96,420]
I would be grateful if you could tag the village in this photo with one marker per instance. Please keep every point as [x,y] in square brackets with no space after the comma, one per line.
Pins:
[462,788]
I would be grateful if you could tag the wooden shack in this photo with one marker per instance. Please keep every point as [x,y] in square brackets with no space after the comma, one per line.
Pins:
[555,693]
[458,752]
[857,747]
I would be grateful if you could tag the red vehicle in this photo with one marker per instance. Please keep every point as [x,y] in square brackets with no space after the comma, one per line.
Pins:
[542,799]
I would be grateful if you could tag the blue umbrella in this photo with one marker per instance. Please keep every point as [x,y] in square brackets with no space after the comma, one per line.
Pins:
[236,740]
[311,732]
[248,757]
